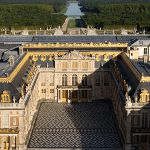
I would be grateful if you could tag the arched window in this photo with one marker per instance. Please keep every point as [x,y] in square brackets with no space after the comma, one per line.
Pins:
[64,80]
[84,80]
[74,80]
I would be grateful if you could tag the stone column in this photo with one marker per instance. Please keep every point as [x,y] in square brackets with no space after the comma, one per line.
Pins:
[59,95]
[2,143]
[128,131]
[68,100]
[21,130]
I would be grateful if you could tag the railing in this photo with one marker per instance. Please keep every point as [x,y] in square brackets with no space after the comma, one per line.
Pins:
[11,106]
[31,86]
[140,105]
[9,130]
[140,130]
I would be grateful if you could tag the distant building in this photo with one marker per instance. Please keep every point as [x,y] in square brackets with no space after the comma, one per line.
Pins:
[140,49]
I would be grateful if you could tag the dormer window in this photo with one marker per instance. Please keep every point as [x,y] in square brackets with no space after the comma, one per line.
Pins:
[5,97]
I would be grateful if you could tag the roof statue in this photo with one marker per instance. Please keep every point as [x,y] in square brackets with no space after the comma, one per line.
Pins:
[91,31]
[25,32]
[124,32]
[58,31]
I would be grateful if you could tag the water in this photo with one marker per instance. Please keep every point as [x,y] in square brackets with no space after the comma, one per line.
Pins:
[73,10]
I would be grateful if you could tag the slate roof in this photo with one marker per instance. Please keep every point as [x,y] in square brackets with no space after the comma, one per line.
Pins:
[70,39]
[16,83]
[141,43]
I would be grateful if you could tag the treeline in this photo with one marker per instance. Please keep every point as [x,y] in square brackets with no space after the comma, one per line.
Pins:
[116,15]
[58,5]
[29,15]
[93,2]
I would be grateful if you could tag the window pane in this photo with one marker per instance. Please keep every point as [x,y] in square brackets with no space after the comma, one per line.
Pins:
[74,80]
[74,65]
[64,65]
[85,65]
[64,80]
[144,120]
[84,80]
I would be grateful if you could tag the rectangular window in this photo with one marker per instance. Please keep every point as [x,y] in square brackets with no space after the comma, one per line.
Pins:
[106,82]
[43,84]
[43,90]
[135,121]
[84,93]
[64,93]
[144,120]
[135,139]
[64,66]
[51,90]
[145,51]
[51,84]
[84,65]
[74,94]
[144,138]
[74,65]
[97,79]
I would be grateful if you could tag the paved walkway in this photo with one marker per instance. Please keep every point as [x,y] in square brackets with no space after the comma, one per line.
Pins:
[82,125]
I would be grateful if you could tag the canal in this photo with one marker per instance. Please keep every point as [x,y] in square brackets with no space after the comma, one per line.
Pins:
[74,14]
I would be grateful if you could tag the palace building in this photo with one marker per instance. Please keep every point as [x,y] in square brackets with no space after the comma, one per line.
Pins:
[74,92]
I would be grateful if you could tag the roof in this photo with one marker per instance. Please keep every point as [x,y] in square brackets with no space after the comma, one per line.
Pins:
[8,46]
[141,43]
[14,86]
[143,68]
[71,39]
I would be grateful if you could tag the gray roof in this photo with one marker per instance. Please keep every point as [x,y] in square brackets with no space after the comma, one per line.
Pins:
[143,68]
[81,125]
[15,39]
[70,39]
[8,46]
[141,43]
[15,85]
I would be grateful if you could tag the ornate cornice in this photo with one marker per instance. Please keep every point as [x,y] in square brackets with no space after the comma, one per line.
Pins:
[76,45]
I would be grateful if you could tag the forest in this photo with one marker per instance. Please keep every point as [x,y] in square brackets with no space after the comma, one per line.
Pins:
[116,15]
[30,16]
[57,4]
[83,2]
[37,14]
